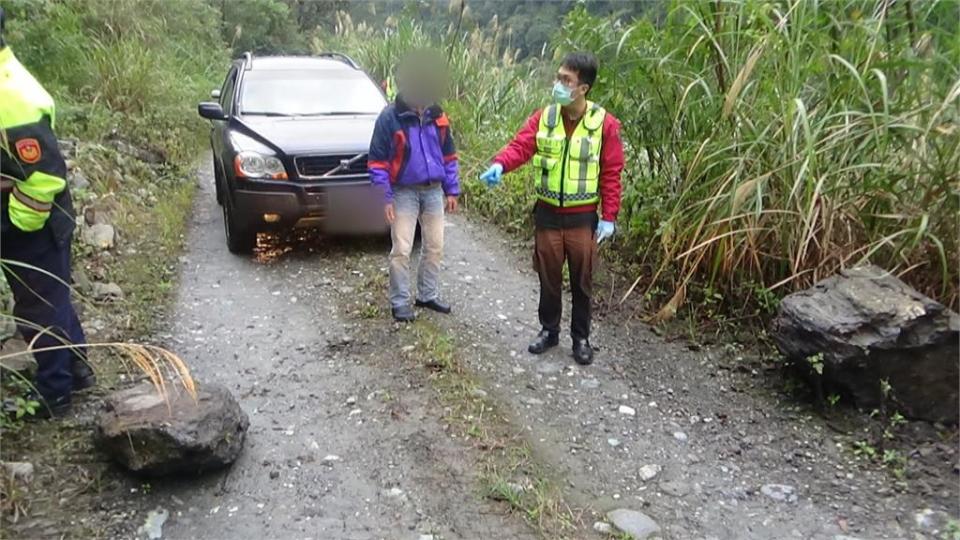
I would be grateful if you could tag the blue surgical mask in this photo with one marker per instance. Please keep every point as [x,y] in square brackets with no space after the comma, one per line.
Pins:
[562,94]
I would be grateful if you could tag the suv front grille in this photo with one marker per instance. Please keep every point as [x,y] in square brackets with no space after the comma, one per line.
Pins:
[317,166]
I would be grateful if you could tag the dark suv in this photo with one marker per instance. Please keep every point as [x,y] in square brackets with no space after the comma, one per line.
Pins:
[290,137]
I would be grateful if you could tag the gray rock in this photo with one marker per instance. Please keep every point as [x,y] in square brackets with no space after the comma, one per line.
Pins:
[99,235]
[675,488]
[155,437]
[932,521]
[106,291]
[870,327]
[23,364]
[547,368]
[636,524]
[779,492]
[478,393]
[78,180]
[590,384]
[680,436]
[19,471]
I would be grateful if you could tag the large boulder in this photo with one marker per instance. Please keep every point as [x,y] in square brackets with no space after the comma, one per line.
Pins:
[871,327]
[155,436]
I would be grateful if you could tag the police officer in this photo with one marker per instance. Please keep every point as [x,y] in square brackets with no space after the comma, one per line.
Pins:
[36,227]
[577,153]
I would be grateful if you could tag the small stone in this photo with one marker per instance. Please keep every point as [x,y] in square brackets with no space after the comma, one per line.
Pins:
[649,472]
[675,488]
[20,471]
[152,528]
[636,524]
[100,236]
[547,368]
[395,493]
[931,521]
[779,492]
[531,401]
[426,537]
[78,180]
[352,400]
[329,459]
[613,442]
[629,411]
[603,527]
[17,360]
[274,475]
[478,393]
[590,384]
[680,436]
[106,292]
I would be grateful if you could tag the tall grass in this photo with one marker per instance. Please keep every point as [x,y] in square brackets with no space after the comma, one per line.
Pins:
[134,67]
[769,143]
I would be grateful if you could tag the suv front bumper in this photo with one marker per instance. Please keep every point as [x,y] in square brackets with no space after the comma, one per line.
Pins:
[336,207]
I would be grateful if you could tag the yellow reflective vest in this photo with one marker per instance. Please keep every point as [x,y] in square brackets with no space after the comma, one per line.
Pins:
[32,170]
[568,170]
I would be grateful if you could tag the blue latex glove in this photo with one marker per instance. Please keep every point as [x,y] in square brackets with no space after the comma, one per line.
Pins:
[604,230]
[493,175]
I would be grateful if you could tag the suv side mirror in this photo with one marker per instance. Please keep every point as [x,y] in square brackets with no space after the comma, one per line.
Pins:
[211,111]
[215,93]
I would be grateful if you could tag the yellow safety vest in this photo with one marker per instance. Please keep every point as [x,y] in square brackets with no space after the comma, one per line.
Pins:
[568,170]
[26,113]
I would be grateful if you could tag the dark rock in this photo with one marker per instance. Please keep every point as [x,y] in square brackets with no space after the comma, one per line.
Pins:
[871,327]
[155,437]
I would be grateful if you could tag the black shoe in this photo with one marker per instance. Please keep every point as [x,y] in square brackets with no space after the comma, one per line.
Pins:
[83,376]
[404,314]
[582,352]
[545,340]
[435,305]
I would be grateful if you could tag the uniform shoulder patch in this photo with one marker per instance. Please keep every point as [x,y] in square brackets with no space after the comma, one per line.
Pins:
[28,150]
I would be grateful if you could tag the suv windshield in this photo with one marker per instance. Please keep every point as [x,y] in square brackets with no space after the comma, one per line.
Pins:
[309,93]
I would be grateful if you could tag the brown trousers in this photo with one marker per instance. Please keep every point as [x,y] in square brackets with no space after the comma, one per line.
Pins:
[578,248]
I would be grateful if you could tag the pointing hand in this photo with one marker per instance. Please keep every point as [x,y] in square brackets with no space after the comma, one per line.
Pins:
[493,175]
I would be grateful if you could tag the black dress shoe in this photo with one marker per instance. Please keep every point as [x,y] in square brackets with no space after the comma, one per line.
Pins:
[435,305]
[404,314]
[582,352]
[545,340]
[83,376]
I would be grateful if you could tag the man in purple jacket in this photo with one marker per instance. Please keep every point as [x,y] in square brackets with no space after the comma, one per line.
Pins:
[414,162]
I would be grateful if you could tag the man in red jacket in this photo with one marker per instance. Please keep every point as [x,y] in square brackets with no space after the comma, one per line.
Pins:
[577,154]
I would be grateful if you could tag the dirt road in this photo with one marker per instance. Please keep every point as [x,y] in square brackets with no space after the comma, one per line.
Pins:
[350,438]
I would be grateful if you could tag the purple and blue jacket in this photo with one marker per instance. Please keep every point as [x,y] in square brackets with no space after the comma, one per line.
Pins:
[408,150]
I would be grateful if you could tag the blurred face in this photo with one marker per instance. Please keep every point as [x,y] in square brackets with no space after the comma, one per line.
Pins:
[569,78]
[422,80]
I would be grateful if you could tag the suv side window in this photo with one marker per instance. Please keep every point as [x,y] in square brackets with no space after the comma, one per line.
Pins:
[226,95]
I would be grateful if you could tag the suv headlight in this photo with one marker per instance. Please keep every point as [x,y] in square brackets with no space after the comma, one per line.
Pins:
[254,165]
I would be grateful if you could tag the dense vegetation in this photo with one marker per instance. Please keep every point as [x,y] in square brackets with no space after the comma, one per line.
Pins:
[769,142]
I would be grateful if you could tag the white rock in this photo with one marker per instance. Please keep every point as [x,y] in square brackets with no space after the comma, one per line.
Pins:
[649,472]
[629,411]
[152,528]
[21,471]
[680,436]
[613,442]
[603,527]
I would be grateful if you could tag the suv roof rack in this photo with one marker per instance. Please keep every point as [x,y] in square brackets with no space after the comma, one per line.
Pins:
[247,60]
[341,57]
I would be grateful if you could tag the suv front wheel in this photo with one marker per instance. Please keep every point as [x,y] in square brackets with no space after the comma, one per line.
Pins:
[240,238]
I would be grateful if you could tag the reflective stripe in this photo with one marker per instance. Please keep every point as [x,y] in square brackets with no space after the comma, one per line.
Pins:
[32,204]
[553,112]
[583,165]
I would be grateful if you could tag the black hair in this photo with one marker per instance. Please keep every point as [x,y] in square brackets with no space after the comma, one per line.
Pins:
[585,64]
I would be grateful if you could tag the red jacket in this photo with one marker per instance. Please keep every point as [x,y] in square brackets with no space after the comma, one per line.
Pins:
[524,146]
